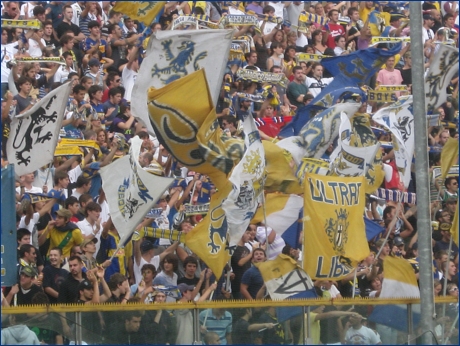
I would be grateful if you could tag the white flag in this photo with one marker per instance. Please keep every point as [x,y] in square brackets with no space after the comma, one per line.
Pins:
[399,119]
[174,54]
[350,160]
[34,134]
[442,69]
[131,191]
[247,178]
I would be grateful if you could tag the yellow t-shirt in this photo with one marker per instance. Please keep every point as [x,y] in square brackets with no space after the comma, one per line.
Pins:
[56,237]
[315,330]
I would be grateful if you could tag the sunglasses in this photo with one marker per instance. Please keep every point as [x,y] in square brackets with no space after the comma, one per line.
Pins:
[117,80]
[453,289]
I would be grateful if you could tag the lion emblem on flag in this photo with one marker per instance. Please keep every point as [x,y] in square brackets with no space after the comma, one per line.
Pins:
[337,230]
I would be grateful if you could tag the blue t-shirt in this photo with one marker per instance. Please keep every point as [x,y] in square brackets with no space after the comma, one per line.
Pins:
[92,172]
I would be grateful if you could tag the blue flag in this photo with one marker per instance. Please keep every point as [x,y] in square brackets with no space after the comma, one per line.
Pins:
[372,229]
[286,313]
[359,67]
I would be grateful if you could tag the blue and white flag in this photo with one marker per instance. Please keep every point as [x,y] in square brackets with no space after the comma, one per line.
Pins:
[442,69]
[399,282]
[247,178]
[34,134]
[399,119]
[322,130]
[131,191]
[174,54]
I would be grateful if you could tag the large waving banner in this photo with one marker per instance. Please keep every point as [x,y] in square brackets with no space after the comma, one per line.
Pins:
[356,152]
[247,178]
[177,121]
[34,134]
[399,119]
[334,231]
[175,54]
[131,191]
[442,69]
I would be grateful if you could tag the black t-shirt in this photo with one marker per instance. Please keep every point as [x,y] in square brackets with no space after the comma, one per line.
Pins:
[406,76]
[25,298]
[240,333]
[240,252]
[63,27]
[53,277]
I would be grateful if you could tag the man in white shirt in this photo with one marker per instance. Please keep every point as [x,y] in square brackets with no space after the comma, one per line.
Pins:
[427,33]
[129,73]
[91,225]
[27,181]
[317,83]
[144,253]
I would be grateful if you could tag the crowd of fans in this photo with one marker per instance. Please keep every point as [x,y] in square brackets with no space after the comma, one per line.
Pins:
[67,245]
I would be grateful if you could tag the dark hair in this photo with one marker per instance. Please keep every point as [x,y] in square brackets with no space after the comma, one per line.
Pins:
[59,175]
[337,38]
[259,249]
[92,206]
[331,12]
[71,74]
[47,22]
[115,280]
[81,181]
[25,248]
[93,24]
[64,40]
[387,211]
[143,135]
[38,9]
[296,68]
[92,90]
[190,259]
[449,180]
[21,232]
[351,10]
[150,267]
[171,258]
[70,201]
[230,119]
[85,198]
[114,91]
[268,9]
[111,77]
[273,46]
[57,249]
[313,35]
[65,7]
[73,258]
[111,27]
[77,88]
[113,13]
[40,298]
[23,80]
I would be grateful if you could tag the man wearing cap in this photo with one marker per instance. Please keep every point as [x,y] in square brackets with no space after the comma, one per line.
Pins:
[88,293]
[359,334]
[22,293]
[95,72]
[144,252]
[62,233]
[427,32]
[184,317]
[443,244]
[88,247]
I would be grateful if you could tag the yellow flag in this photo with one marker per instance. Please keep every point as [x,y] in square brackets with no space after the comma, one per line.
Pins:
[86,143]
[454,227]
[449,156]
[144,11]
[176,121]
[67,151]
[334,230]
[280,169]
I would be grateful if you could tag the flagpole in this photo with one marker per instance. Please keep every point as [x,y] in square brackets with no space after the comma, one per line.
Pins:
[48,173]
[265,224]
[444,289]
[421,169]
